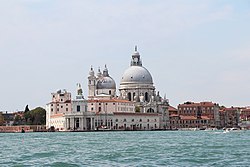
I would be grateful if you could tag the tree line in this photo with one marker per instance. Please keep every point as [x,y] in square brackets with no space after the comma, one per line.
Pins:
[36,116]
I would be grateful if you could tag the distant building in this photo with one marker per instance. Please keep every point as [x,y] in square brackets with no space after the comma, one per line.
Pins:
[232,117]
[245,118]
[8,118]
[195,115]
[57,108]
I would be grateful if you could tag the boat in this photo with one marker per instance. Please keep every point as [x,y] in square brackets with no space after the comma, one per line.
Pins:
[231,130]
[102,128]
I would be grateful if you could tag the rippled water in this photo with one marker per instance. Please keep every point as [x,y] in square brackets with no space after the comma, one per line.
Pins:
[147,148]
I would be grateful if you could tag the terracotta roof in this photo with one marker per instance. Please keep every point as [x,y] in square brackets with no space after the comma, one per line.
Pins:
[171,108]
[246,110]
[57,115]
[135,114]
[109,101]
[187,117]
[174,115]
[205,117]
[192,104]
[231,109]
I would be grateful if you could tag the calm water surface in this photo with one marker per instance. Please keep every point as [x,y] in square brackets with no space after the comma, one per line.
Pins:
[149,148]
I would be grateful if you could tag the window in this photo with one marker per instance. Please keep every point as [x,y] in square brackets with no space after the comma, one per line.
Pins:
[78,108]
[124,120]
[92,108]
[51,109]
[61,99]
[66,109]
[99,103]
[61,106]
[133,120]
[100,109]
[110,92]
[51,105]
[116,120]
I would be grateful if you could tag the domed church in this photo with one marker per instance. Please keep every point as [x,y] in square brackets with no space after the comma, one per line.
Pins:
[137,83]
[101,84]
[136,86]
[137,107]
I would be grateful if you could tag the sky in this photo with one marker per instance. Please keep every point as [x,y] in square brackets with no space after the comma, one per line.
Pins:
[195,50]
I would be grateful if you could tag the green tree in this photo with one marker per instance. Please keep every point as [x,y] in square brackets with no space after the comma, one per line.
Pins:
[17,120]
[26,109]
[27,117]
[36,116]
[1,119]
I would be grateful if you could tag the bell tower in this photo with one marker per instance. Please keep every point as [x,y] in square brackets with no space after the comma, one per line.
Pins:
[92,83]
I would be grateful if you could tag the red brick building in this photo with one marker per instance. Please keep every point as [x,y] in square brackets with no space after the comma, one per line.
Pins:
[195,115]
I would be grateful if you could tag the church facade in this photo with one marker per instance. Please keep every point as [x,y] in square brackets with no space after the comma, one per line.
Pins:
[136,107]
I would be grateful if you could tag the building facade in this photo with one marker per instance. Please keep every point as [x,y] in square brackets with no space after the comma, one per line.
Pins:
[195,115]
[137,107]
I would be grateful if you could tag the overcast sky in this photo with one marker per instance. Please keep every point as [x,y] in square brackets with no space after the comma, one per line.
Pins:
[195,50]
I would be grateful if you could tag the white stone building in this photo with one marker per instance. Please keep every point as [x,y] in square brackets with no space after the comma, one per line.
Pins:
[137,107]
[137,98]
[57,108]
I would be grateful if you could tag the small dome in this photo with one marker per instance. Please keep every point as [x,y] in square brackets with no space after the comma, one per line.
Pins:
[106,83]
[136,75]
[91,72]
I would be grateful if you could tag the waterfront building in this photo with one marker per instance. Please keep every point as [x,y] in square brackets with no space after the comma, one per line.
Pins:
[57,108]
[137,99]
[245,118]
[8,118]
[137,107]
[232,117]
[79,119]
[245,114]
[195,115]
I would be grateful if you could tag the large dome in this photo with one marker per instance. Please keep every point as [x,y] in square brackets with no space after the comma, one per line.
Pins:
[106,83]
[136,75]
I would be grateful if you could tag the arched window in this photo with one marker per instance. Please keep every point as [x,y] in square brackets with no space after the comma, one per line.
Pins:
[150,110]
[110,92]
[146,97]
[129,96]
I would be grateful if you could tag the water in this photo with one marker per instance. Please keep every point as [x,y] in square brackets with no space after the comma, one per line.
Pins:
[147,148]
